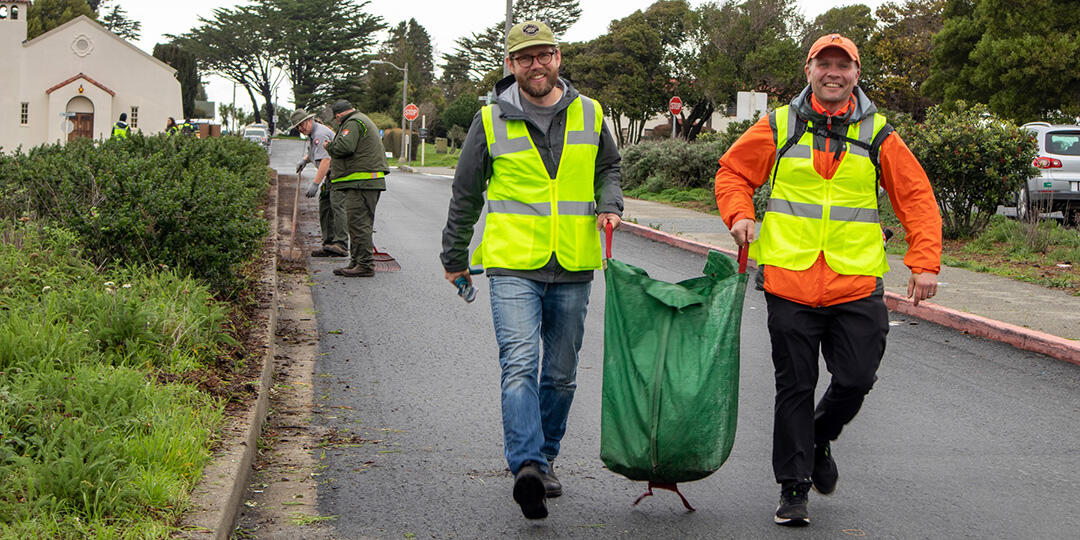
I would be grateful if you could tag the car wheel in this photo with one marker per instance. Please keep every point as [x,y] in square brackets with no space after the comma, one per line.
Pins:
[1023,205]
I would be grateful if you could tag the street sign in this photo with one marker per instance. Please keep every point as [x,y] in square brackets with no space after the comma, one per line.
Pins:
[412,112]
[675,105]
[423,133]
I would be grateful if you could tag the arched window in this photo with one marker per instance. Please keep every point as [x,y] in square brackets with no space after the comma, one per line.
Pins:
[3,12]
[14,12]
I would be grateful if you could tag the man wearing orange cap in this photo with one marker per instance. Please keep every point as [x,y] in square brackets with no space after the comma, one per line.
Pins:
[821,254]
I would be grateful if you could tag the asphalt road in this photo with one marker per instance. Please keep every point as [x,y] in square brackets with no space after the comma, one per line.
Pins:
[961,437]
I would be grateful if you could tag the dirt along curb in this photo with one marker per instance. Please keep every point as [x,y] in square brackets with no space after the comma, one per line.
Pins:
[1017,336]
[215,501]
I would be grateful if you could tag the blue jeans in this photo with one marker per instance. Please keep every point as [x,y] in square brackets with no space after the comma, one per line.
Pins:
[534,410]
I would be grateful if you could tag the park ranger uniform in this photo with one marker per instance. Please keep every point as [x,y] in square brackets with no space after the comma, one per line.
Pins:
[358,172]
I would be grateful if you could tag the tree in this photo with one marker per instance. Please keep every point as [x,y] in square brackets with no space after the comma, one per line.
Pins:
[482,53]
[324,46]
[1023,59]
[187,72]
[44,15]
[748,46]
[461,111]
[116,21]
[408,44]
[897,59]
[975,162]
[241,45]
[624,70]
[855,22]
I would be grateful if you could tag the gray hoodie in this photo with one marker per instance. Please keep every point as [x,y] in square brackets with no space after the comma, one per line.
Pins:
[474,170]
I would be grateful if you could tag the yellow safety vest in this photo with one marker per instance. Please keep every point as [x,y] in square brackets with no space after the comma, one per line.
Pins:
[808,214]
[529,214]
[120,130]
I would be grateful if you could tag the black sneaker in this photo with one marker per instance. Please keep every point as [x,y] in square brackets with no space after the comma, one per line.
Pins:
[792,511]
[552,485]
[529,491]
[824,475]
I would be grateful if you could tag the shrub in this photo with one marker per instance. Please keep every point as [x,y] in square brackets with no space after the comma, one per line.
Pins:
[975,162]
[189,204]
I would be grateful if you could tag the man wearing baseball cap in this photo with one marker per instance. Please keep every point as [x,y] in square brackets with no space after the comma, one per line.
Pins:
[821,255]
[550,167]
[358,174]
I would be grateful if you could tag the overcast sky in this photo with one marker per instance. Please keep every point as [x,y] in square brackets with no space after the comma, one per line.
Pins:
[445,21]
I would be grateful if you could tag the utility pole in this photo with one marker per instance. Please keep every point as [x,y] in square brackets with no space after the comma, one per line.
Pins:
[509,21]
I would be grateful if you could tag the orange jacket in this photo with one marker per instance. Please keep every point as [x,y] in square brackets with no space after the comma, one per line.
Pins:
[748,164]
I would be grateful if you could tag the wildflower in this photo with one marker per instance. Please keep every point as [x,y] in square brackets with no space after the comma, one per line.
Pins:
[109,284]
[45,289]
[127,285]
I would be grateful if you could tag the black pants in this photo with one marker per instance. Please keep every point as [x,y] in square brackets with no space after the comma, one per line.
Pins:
[851,338]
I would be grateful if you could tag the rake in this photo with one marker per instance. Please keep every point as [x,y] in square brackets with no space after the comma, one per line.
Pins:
[383,261]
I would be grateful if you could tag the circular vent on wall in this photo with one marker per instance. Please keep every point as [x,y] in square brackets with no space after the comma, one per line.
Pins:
[82,45]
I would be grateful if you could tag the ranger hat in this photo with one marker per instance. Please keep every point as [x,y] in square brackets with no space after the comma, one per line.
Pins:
[527,34]
[298,117]
[340,106]
[837,41]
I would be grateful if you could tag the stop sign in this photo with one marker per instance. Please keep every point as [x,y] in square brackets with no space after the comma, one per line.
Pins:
[675,105]
[411,112]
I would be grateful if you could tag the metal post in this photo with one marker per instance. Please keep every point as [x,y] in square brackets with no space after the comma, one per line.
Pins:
[404,102]
[672,125]
[423,126]
[509,20]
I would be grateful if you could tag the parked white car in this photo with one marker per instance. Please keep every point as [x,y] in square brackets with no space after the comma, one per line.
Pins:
[1057,188]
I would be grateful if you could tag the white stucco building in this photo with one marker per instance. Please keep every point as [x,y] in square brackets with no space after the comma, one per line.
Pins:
[75,80]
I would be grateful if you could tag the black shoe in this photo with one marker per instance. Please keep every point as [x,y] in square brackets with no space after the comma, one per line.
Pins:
[792,511]
[529,491]
[824,475]
[552,485]
[321,253]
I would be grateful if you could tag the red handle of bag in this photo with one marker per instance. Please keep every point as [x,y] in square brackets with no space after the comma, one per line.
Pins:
[742,258]
[607,236]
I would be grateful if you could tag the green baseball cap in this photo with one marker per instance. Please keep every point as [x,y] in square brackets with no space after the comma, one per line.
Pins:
[527,34]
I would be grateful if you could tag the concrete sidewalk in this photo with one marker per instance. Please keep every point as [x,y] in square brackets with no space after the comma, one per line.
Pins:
[1028,316]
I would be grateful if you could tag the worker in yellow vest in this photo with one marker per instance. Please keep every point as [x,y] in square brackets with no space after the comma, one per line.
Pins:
[821,254]
[551,171]
[120,128]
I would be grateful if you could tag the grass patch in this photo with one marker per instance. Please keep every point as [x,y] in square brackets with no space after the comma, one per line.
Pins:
[95,441]
[432,159]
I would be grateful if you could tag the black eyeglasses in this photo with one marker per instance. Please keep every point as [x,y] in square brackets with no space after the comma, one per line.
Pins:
[526,60]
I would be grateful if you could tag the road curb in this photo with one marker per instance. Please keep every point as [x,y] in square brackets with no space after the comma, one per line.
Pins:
[1017,336]
[215,501]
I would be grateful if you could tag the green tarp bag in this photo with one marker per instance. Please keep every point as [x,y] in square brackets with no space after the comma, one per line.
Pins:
[671,372]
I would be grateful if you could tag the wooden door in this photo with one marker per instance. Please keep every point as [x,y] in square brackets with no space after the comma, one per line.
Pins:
[84,126]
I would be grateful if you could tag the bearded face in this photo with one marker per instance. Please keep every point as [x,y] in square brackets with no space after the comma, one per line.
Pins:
[536,69]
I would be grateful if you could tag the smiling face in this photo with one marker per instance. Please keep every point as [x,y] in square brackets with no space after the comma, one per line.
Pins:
[305,126]
[536,80]
[832,75]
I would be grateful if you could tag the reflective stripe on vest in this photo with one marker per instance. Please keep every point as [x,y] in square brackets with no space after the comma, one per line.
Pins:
[808,214]
[120,131]
[359,176]
[531,215]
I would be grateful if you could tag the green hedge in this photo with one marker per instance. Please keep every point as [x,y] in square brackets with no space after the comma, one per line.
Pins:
[657,166]
[175,202]
[91,443]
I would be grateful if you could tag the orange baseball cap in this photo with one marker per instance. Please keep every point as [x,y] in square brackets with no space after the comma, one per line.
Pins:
[834,40]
